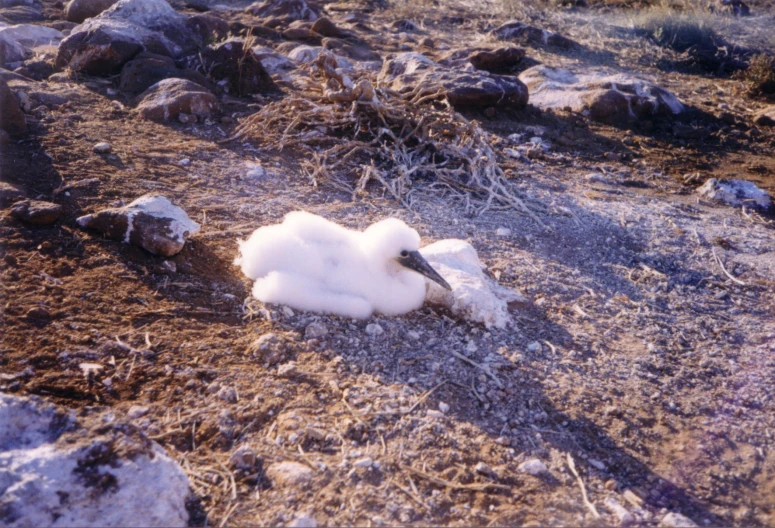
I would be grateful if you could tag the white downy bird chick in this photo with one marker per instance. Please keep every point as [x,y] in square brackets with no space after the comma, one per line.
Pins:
[310,263]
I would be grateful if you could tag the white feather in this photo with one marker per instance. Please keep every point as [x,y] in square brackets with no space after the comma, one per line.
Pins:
[310,263]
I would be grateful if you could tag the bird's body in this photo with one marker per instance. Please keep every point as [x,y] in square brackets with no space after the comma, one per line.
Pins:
[310,263]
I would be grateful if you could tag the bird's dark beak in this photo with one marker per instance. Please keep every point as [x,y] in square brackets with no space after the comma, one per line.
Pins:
[415,262]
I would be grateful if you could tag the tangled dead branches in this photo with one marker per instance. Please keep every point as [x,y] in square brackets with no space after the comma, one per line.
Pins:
[358,131]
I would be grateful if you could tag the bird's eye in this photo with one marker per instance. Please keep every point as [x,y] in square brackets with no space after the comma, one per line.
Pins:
[404,253]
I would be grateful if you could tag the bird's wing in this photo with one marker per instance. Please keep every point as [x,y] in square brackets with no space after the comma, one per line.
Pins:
[273,248]
[303,293]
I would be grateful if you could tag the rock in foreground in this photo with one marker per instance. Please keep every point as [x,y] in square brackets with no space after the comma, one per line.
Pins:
[474,296]
[151,222]
[606,97]
[57,473]
[736,193]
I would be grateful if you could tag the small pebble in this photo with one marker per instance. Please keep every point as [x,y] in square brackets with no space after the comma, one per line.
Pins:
[255,171]
[185,162]
[228,394]
[315,330]
[503,232]
[102,148]
[483,469]
[363,462]
[413,335]
[534,347]
[287,370]
[137,411]
[532,467]
[443,407]
[433,413]
[374,330]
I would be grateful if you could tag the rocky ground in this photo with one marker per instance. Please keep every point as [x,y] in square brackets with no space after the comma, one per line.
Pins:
[634,386]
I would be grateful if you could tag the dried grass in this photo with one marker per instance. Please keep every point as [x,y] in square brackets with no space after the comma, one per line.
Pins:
[357,132]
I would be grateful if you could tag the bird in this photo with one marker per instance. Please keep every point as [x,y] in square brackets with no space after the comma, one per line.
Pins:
[313,264]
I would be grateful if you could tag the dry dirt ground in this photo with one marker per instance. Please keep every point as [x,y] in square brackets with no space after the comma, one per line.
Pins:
[637,357]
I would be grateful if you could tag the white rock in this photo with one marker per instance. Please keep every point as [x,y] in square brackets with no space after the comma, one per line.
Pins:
[315,330]
[185,162]
[374,330]
[596,463]
[102,486]
[255,170]
[228,394]
[413,335]
[503,232]
[137,411]
[593,92]
[102,148]
[243,457]
[433,413]
[483,469]
[303,521]
[273,61]
[443,407]
[474,296]
[735,193]
[306,54]
[289,473]
[676,520]
[365,462]
[620,511]
[287,370]
[532,467]
[534,347]
[288,312]
[17,42]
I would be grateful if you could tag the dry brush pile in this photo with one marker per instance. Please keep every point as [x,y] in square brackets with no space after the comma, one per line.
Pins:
[358,131]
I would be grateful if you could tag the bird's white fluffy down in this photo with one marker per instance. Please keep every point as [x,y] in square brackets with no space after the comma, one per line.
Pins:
[310,263]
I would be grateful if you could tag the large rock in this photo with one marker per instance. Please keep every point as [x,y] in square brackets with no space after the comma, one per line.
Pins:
[17,42]
[151,222]
[736,193]
[56,472]
[103,44]
[21,14]
[606,97]
[80,10]
[474,296]
[36,212]
[239,67]
[287,10]
[169,98]
[407,72]
[12,118]
[517,31]
[145,70]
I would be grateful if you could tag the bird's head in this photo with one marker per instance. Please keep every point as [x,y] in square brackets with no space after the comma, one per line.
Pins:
[392,239]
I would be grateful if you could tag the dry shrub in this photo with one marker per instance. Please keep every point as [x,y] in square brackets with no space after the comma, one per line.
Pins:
[356,131]
[677,31]
[760,76]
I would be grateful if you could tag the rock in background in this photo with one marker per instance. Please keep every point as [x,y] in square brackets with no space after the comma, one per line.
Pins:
[56,472]
[151,222]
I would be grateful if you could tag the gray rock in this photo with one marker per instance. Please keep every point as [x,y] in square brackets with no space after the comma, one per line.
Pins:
[272,61]
[315,330]
[527,34]
[324,27]
[605,96]
[102,148]
[303,521]
[289,474]
[409,71]
[736,193]
[676,520]
[137,411]
[36,212]
[374,329]
[17,42]
[228,394]
[103,44]
[80,10]
[21,14]
[229,61]
[532,467]
[244,458]
[287,10]
[151,222]
[12,119]
[145,70]
[168,98]
[57,473]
